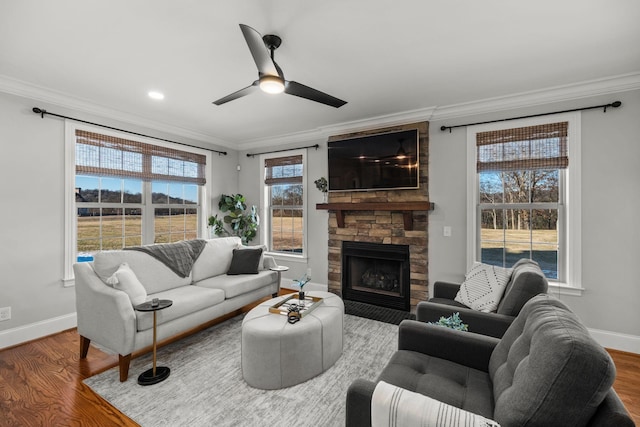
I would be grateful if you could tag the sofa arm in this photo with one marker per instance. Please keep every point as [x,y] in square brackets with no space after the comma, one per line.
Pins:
[358,410]
[466,348]
[105,315]
[492,324]
[446,290]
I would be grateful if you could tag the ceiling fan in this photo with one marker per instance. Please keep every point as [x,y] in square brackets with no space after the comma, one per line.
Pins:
[270,76]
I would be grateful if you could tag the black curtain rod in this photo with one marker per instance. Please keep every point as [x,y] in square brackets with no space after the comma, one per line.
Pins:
[286,149]
[615,104]
[43,112]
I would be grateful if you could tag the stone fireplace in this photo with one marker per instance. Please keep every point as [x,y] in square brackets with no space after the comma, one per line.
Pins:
[398,217]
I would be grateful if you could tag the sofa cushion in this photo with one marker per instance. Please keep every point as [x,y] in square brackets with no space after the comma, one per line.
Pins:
[125,280]
[483,287]
[549,354]
[440,379]
[245,261]
[241,284]
[153,274]
[215,258]
[186,300]
[527,280]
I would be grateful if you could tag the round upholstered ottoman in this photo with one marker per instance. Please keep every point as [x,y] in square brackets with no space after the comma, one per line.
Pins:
[277,354]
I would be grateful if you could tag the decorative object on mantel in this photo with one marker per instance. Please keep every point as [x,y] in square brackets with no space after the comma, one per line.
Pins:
[453,322]
[301,282]
[244,224]
[322,185]
[405,207]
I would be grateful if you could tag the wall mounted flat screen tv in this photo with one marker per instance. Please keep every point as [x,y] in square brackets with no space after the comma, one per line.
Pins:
[375,162]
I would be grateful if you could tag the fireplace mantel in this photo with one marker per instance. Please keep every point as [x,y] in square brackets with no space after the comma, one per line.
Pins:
[405,207]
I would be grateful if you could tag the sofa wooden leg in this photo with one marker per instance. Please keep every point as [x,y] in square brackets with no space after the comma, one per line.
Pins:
[84,346]
[123,363]
[275,294]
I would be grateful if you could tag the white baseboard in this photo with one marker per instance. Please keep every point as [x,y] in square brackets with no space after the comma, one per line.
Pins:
[616,340]
[311,286]
[21,334]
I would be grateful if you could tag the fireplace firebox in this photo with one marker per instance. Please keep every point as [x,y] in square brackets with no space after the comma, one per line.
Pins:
[376,274]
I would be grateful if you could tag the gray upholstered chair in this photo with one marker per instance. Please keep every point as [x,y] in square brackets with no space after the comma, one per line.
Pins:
[527,280]
[545,371]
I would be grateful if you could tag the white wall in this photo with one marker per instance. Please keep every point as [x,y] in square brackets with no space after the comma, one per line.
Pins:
[317,238]
[32,214]
[610,210]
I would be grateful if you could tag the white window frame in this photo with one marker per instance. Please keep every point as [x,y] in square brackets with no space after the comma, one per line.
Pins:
[70,208]
[569,210]
[264,203]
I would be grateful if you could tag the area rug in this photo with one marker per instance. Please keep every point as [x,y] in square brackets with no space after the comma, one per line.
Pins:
[206,388]
[374,312]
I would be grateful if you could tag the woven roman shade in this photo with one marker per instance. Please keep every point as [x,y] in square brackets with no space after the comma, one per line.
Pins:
[104,155]
[526,148]
[283,170]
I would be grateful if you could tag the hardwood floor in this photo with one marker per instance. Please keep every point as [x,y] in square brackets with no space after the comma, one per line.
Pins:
[41,384]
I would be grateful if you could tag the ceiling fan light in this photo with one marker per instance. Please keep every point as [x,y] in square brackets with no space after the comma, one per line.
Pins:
[271,84]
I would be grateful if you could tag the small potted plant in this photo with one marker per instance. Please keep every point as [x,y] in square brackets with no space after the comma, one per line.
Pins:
[453,322]
[301,282]
[322,185]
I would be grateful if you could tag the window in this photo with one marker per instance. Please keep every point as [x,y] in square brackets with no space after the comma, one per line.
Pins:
[283,195]
[524,189]
[127,192]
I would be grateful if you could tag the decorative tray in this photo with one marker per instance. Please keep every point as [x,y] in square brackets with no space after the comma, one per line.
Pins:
[282,307]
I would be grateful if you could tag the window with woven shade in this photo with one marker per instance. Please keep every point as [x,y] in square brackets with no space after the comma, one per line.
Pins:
[520,193]
[129,192]
[284,197]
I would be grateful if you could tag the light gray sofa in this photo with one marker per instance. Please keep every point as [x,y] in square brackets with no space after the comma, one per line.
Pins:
[106,315]
[527,280]
[545,371]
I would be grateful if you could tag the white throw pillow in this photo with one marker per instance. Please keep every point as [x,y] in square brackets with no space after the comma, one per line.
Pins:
[125,280]
[483,287]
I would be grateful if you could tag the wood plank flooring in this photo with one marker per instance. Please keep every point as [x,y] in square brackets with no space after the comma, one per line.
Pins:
[41,384]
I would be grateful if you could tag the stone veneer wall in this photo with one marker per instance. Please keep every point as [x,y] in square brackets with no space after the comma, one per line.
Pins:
[385,226]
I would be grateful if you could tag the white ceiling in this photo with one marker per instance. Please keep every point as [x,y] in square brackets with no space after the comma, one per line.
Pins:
[385,58]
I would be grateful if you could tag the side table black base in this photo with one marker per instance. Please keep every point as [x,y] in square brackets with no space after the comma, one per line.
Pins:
[147,377]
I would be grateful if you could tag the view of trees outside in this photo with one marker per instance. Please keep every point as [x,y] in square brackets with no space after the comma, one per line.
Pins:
[117,221]
[519,218]
[286,217]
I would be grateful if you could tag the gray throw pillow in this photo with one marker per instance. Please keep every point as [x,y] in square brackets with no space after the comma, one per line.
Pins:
[245,261]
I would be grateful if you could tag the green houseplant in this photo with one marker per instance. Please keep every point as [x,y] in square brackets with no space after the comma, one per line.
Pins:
[322,185]
[238,221]
[453,322]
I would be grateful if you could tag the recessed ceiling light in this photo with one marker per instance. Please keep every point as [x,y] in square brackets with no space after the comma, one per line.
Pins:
[156,95]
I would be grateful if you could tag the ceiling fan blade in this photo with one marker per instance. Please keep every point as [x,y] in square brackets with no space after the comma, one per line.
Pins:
[238,94]
[259,51]
[298,89]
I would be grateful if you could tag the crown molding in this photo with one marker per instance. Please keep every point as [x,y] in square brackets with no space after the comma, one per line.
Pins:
[574,91]
[38,93]
[323,132]
[571,92]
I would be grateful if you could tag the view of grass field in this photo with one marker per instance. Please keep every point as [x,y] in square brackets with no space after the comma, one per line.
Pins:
[506,247]
[287,233]
[168,228]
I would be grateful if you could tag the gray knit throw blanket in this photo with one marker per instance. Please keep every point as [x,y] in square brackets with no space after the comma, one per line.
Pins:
[179,256]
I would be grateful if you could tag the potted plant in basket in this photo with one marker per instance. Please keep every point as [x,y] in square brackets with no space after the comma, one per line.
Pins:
[242,222]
